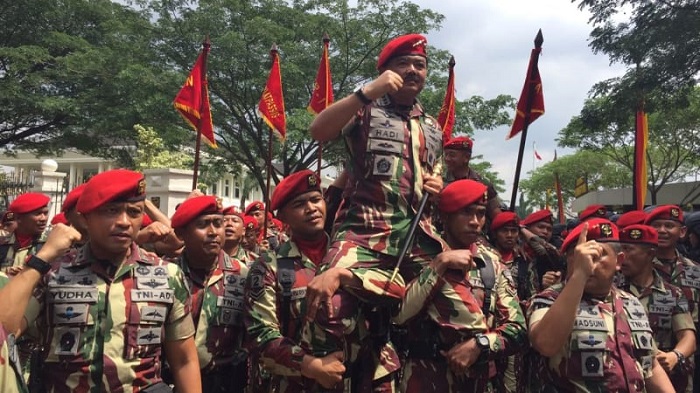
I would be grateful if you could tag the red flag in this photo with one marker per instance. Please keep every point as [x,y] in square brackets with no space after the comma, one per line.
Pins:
[271,105]
[560,199]
[539,158]
[446,117]
[322,96]
[641,138]
[193,99]
[531,102]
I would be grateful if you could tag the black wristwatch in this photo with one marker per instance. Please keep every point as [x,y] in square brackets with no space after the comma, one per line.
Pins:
[38,264]
[362,97]
[482,342]
[681,357]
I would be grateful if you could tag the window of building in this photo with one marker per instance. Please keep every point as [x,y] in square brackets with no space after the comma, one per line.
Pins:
[227,188]
[214,189]
[236,189]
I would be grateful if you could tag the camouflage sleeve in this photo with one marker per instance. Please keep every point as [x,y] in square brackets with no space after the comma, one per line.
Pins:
[264,339]
[179,325]
[417,295]
[539,305]
[510,334]
[680,315]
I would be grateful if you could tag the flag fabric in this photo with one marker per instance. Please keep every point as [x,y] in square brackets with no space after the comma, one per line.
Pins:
[531,103]
[641,138]
[446,117]
[322,96]
[560,199]
[271,105]
[537,155]
[192,101]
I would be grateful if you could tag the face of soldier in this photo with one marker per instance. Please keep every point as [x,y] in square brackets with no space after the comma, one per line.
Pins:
[463,227]
[456,159]
[542,229]
[10,226]
[260,216]
[413,69]
[32,223]
[250,239]
[305,215]
[694,240]
[670,232]
[637,258]
[204,236]
[113,227]
[507,238]
[233,228]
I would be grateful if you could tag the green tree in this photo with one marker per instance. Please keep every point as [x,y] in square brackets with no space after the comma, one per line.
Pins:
[151,152]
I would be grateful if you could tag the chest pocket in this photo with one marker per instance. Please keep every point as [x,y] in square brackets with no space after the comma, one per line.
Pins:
[640,328]
[588,342]
[386,144]
[433,143]
[660,310]
[230,304]
[151,300]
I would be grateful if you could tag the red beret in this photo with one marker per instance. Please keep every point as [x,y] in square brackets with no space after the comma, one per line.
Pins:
[599,229]
[542,215]
[254,206]
[29,202]
[232,211]
[117,185]
[462,193]
[409,44]
[459,143]
[59,218]
[278,224]
[147,220]
[503,219]
[665,212]
[72,198]
[293,185]
[593,211]
[639,234]
[193,208]
[250,222]
[631,218]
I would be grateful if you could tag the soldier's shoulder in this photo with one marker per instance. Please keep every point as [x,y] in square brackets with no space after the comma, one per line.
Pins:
[626,296]
[688,262]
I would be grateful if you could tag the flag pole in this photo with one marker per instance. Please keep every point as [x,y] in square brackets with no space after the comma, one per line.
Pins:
[198,144]
[326,41]
[273,53]
[538,45]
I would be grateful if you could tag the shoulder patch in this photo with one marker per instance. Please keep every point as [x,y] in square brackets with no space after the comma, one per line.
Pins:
[256,280]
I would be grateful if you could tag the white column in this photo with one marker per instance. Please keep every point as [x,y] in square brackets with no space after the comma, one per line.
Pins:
[72,178]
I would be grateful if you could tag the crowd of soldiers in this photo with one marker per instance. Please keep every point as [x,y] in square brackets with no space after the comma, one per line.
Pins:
[349,289]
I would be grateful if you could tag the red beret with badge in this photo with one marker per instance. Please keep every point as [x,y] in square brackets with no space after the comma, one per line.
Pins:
[253,207]
[540,215]
[639,234]
[59,218]
[250,223]
[665,212]
[591,211]
[505,219]
[29,202]
[459,143]
[232,211]
[599,229]
[117,185]
[72,197]
[278,224]
[631,218]
[193,208]
[462,193]
[409,44]
[294,185]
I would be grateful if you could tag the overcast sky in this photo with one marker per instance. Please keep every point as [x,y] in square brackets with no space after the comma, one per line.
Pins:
[491,42]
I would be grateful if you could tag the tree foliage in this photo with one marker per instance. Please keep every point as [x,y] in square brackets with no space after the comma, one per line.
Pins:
[151,152]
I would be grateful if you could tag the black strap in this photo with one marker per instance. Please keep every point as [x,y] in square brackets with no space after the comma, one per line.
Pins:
[488,277]
[286,277]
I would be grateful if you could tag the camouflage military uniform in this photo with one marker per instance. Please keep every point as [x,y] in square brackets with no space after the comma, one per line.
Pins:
[217,313]
[12,255]
[244,256]
[684,274]
[11,380]
[390,151]
[611,348]
[275,350]
[104,327]
[667,309]
[445,311]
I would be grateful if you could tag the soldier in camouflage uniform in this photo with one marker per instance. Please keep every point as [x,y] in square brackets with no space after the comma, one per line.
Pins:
[250,238]
[665,304]
[234,231]
[461,319]
[671,265]
[7,224]
[594,337]
[216,284]
[544,263]
[31,213]
[276,295]
[395,150]
[108,310]
[11,379]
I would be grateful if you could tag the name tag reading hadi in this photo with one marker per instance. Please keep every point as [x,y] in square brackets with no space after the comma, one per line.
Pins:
[72,295]
[152,295]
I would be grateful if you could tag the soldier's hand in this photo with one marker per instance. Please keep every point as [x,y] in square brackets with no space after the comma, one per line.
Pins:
[586,254]
[388,82]
[321,290]
[327,371]
[59,241]
[550,278]
[453,259]
[462,356]
[667,360]
[157,231]
[14,270]
[432,184]
[264,245]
